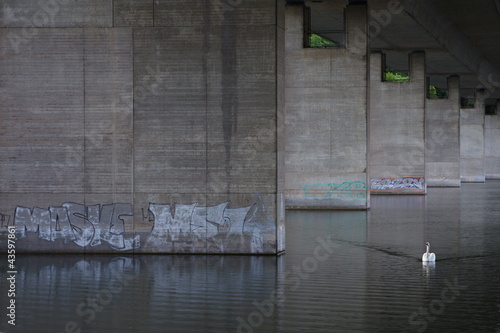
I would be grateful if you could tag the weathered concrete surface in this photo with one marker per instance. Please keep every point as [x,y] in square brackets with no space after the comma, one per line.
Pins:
[42,106]
[442,137]
[134,13]
[236,12]
[55,14]
[142,126]
[472,153]
[169,82]
[109,141]
[325,128]
[491,146]
[396,127]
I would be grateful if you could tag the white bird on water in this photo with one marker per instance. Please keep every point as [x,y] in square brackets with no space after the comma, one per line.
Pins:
[428,256]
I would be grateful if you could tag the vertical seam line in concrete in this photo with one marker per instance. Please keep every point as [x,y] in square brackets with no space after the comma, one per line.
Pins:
[205,64]
[133,118]
[425,115]
[276,122]
[153,2]
[84,119]
[367,109]
[330,106]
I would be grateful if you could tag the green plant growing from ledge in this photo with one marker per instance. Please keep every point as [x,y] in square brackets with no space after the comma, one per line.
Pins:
[434,92]
[391,75]
[316,41]
[466,102]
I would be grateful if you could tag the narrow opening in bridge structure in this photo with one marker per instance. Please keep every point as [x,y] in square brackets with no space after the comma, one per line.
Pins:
[396,66]
[467,98]
[324,24]
[437,87]
[490,109]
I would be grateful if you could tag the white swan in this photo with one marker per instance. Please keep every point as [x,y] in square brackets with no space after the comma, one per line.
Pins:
[428,256]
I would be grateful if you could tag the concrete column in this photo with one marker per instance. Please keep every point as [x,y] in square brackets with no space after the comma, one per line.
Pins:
[472,141]
[157,135]
[491,146]
[43,116]
[280,93]
[396,130]
[442,138]
[325,115]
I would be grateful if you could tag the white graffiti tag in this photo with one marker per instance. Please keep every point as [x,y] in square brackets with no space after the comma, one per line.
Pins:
[83,225]
[399,183]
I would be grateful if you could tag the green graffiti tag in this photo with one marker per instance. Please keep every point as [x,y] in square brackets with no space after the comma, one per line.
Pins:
[355,190]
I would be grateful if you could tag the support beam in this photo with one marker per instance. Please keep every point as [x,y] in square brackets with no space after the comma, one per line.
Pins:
[491,146]
[326,118]
[472,142]
[396,130]
[442,137]
[428,15]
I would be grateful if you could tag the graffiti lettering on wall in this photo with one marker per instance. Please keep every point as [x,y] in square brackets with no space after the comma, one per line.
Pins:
[193,228]
[82,225]
[4,220]
[400,183]
[175,228]
[346,191]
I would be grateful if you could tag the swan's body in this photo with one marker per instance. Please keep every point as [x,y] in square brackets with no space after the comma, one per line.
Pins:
[428,256]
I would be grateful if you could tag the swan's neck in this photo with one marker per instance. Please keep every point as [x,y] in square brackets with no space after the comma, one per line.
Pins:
[427,249]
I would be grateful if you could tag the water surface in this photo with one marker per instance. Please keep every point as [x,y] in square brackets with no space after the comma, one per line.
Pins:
[343,271]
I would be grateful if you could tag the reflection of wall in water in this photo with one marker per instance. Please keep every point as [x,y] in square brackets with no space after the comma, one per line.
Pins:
[145,290]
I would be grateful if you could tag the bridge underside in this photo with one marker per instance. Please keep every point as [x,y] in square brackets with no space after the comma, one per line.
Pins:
[190,126]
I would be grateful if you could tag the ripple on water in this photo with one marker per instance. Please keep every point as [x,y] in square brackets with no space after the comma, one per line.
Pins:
[372,280]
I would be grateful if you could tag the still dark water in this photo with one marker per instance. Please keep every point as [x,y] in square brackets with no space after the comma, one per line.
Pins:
[343,271]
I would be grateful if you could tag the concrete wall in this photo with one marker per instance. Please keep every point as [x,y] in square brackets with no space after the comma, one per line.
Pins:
[491,146]
[472,159]
[141,126]
[442,137]
[325,117]
[396,130]
[280,85]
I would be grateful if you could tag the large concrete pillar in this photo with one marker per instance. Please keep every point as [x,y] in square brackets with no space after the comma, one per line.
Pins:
[472,141]
[134,127]
[396,130]
[325,114]
[442,137]
[491,146]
